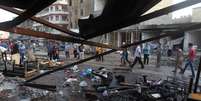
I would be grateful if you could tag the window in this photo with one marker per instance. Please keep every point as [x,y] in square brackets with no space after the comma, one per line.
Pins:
[71,24]
[70,2]
[57,18]
[59,7]
[60,18]
[82,12]
[54,17]
[51,8]
[51,18]
[56,8]
[64,8]
[64,18]
[76,11]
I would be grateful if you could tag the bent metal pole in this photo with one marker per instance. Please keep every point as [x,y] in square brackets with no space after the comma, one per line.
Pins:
[62,38]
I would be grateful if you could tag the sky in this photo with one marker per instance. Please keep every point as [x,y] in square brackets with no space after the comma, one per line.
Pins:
[184,12]
[5,16]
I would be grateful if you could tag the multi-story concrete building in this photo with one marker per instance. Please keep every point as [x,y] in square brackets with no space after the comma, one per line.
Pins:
[162,20]
[165,19]
[78,9]
[193,36]
[196,16]
[131,34]
[57,13]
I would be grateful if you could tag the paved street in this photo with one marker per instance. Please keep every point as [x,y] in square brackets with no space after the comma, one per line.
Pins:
[112,62]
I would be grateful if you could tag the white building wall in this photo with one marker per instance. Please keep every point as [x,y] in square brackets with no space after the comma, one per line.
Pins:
[192,37]
[99,5]
[149,35]
[196,15]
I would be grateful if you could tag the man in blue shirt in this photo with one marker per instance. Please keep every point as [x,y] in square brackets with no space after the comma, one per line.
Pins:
[146,52]
[124,57]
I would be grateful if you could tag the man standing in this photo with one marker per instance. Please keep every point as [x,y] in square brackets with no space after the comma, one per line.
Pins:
[137,57]
[81,50]
[67,47]
[179,60]
[97,52]
[15,56]
[22,50]
[50,50]
[100,52]
[71,51]
[146,52]
[191,58]
[158,54]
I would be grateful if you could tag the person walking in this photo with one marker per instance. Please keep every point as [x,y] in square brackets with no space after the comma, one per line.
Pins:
[190,60]
[146,52]
[138,58]
[124,57]
[179,60]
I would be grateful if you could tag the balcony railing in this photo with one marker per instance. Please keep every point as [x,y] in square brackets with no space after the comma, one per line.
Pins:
[46,13]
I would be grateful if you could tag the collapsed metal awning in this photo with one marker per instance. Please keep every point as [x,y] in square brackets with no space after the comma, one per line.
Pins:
[107,22]
[91,28]
[30,9]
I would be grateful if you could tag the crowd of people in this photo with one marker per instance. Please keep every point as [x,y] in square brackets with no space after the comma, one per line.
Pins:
[71,51]
[53,51]
[19,50]
[138,52]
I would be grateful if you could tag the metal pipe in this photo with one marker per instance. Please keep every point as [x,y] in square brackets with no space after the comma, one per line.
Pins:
[63,38]
[190,85]
[39,86]
[132,20]
[39,20]
[197,77]
[27,13]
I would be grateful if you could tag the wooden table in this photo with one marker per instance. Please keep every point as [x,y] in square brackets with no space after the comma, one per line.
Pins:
[194,97]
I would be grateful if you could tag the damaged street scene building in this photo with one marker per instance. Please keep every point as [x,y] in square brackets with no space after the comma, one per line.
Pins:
[100,50]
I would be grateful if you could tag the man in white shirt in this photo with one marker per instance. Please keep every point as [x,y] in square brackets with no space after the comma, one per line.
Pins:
[137,56]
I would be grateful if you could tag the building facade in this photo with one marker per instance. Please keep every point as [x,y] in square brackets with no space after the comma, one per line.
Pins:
[57,13]
[79,9]
[194,35]
[196,16]
[165,19]
[131,34]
